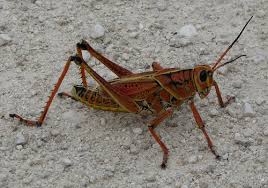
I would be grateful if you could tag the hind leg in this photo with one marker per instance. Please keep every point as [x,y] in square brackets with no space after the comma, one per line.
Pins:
[118,70]
[40,120]
[122,100]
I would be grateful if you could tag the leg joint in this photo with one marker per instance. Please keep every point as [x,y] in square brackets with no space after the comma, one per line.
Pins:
[83,45]
[78,61]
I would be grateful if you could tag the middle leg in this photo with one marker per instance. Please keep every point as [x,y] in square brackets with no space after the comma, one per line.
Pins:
[152,125]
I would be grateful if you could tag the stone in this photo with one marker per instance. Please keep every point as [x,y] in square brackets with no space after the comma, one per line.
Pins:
[67,162]
[188,31]
[133,149]
[151,177]
[133,35]
[213,112]
[97,31]
[265,131]
[260,101]
[203,184]
[137,131]
[102,121]
[248,111]
[192,159]
[161,5]
[4,39]
[237,84]
[54,132]
[248,132]
[240,140]
[19,147]
[125,56]
[21,139]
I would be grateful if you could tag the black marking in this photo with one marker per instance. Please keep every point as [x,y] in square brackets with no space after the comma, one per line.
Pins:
[80,90]
[203,76]
[12,115]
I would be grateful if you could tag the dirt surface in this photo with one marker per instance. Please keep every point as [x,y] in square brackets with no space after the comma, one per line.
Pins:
[81,147]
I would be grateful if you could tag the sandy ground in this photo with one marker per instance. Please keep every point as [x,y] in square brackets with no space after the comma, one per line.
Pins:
[81,147]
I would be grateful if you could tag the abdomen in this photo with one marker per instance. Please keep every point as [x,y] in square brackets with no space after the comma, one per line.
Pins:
[95,98]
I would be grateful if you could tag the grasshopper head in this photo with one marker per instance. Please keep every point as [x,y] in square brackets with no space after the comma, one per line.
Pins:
[203,79]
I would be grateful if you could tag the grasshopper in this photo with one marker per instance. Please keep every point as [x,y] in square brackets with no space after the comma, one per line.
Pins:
[159,91]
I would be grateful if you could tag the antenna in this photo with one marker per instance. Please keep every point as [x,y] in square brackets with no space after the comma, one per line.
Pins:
[229,47]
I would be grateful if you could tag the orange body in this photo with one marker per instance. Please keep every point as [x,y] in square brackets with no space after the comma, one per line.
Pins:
[146,89]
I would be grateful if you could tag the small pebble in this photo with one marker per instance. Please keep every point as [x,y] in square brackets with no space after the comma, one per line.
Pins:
[232,112]
[3,148]
[210,168]
[239,139]
[133,149]
[237,84]
[54,132]
[199,157]
[248,132]
[20,139]
[161,5]
[192,159]
[141,26]
[97,31]
[188,31]
[67,162]
[203,184]
[133,34]
[125,56]
[126,142]
[225,156]
[4,39]
[102,121]
[19,147]
[260,101]
[265,132]
[248,111]
[213,112]
[137,131]
[151,177]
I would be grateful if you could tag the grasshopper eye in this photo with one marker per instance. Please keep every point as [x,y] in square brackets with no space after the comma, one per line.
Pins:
[203,76]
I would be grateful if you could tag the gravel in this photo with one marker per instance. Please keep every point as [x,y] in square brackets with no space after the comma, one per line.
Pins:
[97,31]
[20,139]
[82,147]
[188,31]
[248,110]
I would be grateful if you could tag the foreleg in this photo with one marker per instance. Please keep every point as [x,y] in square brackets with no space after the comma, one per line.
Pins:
[201,125]
[221,103]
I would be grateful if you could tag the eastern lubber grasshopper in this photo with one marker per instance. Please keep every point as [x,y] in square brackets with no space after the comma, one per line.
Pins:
[158,91]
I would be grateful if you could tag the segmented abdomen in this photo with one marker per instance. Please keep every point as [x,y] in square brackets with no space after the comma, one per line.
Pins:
[96,99]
